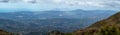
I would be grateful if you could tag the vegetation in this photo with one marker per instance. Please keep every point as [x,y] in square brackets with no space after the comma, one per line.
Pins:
[112,29]
[6,33]
[109,30]
[110,26]
[59,33]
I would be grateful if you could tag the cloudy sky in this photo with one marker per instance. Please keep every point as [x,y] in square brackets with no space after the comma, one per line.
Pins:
[41,5]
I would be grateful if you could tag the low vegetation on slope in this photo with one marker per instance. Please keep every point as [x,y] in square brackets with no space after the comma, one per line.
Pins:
[110,26]
[113,29]
[6,33]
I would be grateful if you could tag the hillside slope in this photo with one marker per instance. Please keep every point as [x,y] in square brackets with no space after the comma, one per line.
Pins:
[115,19]
[6,33]
[110,26]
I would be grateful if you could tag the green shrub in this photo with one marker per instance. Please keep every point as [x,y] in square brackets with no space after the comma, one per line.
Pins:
[112,29]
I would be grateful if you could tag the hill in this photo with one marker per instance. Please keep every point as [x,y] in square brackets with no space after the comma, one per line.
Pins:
[113,19]
[109,26]
[6,33]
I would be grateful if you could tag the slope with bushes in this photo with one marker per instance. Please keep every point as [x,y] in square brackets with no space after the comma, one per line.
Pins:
[110,26]
[6,33]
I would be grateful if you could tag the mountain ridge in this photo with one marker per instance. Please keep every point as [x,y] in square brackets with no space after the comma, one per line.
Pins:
[56,14]
[107,25]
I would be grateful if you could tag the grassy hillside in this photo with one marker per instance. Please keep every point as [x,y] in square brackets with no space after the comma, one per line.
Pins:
[115,19]
[6,33]
[109,26]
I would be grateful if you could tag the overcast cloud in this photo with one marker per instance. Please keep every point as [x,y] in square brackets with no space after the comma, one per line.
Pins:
[63,4]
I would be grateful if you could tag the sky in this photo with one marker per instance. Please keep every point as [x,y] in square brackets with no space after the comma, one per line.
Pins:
[42,5]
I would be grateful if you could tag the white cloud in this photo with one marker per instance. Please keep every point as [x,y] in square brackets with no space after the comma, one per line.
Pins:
[28,0]
[25,0]
[84,3]
[118,2]
[94,4]
[79,3]
[91,3]
[57,1]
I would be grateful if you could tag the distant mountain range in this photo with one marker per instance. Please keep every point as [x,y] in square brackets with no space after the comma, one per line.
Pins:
[44,21]
[57,14]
